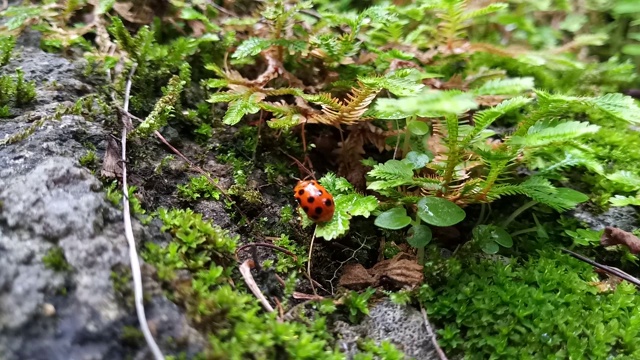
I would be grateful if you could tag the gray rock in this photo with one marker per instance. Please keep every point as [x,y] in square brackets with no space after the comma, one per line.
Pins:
[403,326]
[48,200]
[624,217]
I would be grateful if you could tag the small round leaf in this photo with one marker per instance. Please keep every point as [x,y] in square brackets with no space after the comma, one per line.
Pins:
[490,247]
[502,237]
[417,159]
[419,236]
[439,212]
[418,128]
[393,219]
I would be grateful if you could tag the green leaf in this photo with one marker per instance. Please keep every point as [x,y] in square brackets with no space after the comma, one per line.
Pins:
[392,170]
[251,47]
[427,104]
[346,206]
[511,86]
[440,212]
[490,247]
[543,134]
[418,159]
[239,108]
[419,236]
[418,128]
[393,219]
[495,234]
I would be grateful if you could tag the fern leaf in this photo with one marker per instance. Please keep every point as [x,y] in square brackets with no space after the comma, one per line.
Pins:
[224,97]
[615,104]
[510,86]
[492,8]
[391,170]
[630,180]
[426,104]
[619,200]
[542,191]
[561,132]
[241,107]
[483,119]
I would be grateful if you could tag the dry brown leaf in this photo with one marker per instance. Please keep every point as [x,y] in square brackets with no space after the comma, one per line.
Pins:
[609,284]
[614,236]
[134,13]
[355,277]
[400,271]
[111,167]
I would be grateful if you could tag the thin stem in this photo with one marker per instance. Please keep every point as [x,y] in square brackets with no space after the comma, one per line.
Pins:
[133,254]
[518,211]
[524,231]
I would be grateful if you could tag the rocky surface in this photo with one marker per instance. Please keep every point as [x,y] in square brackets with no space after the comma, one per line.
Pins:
[403,326]
[46,201]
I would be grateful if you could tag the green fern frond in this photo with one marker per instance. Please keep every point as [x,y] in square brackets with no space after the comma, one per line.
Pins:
[247,104]
[511,86]
[616,105]
[483,119]
[545,133]
[492,8]
[542,191]
[391,170]
[426,104]
[122,35]
[254,46]
[619,200]
[630,180]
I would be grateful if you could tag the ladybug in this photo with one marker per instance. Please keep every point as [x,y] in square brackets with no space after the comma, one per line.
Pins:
[315,200]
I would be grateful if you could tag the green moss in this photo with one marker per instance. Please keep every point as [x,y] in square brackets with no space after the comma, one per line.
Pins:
[25,91]
[55,260]
[89,160]
[543,306]
[121,282]
[7,44]
[199,187]
[132,336]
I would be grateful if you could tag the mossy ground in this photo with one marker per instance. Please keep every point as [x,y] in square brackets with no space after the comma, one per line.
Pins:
[483,306]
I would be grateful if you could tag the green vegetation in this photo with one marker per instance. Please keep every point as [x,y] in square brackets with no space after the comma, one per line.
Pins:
[470,126]
[543,306]
[55,260]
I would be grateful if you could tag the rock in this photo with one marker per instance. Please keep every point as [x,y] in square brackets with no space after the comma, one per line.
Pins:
[47,201]
[401,325]
[624,217]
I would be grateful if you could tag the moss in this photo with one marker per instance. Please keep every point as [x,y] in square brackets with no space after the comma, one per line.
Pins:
[89,160]
[121,282]
[543,305]
[132,336]
[55,260]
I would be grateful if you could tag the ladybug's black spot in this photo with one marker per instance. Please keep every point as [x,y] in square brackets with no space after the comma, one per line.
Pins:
[328,202]
[305,208]
[318,210]
[311,199]
[300,192]
[320,192]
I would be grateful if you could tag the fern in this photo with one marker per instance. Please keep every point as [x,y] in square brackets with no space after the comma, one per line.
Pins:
[483,119]
[615,105]
[542,191]
[546,133]
[510,86]
[426,104]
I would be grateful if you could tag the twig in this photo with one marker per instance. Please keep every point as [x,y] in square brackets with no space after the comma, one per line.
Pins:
[295,258]
[245,270]
[609,269]
[431,334]
[309,261]
[133,254]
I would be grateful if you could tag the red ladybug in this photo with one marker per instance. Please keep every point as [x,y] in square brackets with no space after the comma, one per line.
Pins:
[315,200]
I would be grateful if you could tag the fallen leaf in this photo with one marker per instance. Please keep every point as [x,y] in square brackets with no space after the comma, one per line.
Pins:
[111,167]
[614,236]
[355,277]
[400,271]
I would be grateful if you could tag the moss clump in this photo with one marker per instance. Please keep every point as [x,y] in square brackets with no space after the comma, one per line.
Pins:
[545,306]
[55,260]
[89,160]
[236,325]
[131,336]
[7,43]
[21,91]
